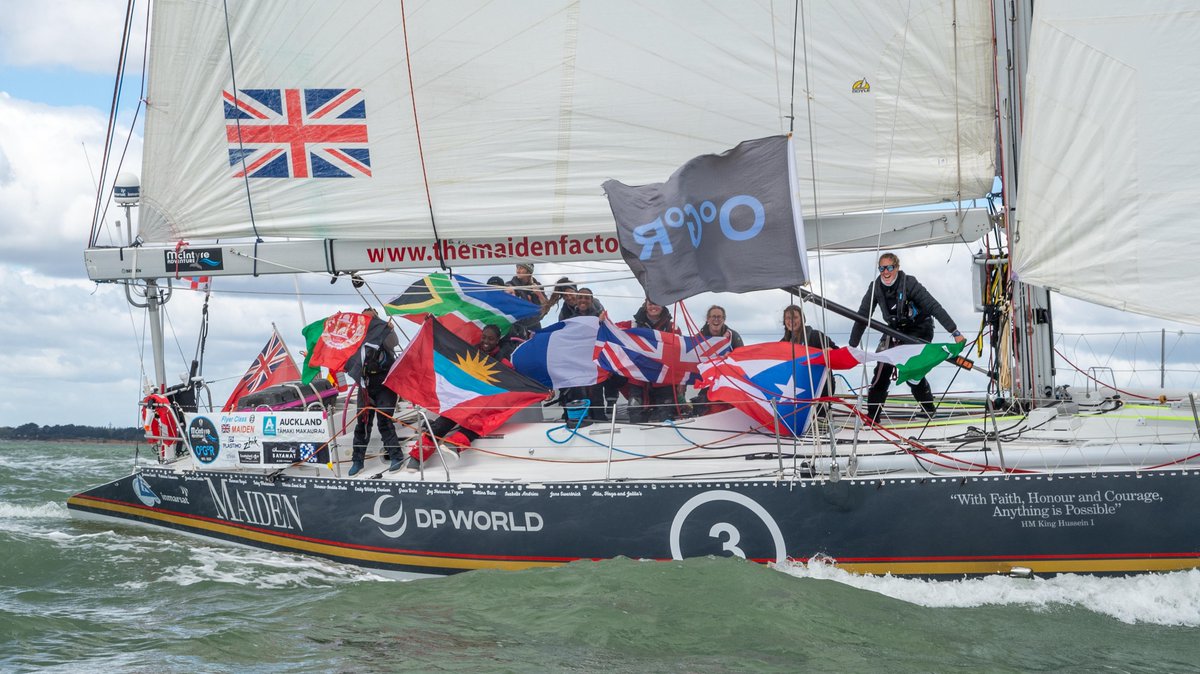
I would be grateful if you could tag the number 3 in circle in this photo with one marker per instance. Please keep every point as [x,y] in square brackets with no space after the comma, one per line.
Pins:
[731,544]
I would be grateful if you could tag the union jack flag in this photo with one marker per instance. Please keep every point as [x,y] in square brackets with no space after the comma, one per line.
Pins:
[653,356]
[273,365]
[297,133]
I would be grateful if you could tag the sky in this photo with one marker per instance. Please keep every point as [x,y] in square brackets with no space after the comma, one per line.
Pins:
[76,347]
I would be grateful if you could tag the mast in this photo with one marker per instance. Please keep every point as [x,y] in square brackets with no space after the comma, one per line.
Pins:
[1029,311]
[127,194]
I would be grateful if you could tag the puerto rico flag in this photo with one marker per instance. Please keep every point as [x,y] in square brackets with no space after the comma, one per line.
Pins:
[762,379]
[273,365]
[653,356]
[297,133]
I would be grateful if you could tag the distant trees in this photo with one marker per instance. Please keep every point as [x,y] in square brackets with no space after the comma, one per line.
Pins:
[70,432]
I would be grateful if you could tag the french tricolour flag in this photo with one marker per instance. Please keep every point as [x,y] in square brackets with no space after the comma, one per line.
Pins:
[562,354]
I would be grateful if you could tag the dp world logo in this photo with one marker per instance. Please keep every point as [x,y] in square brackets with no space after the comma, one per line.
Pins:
[726,532]
[393,525]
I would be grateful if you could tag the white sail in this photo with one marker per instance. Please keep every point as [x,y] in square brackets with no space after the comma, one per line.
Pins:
[525,108]
[1110,162]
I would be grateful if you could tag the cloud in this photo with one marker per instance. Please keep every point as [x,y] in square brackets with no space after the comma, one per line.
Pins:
[6,174]
[47,188]
[76,34]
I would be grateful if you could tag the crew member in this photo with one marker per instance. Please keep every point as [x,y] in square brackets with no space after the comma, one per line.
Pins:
[908,307]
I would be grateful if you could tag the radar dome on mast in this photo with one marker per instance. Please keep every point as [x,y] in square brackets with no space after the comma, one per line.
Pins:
[127,189]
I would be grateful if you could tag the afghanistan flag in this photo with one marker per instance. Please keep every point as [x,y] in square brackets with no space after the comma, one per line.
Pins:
[445,375]
[312,333]
[464,305]
[332,341]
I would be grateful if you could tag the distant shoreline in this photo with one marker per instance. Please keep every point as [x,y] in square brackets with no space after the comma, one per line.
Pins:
[75,441]
[73,433]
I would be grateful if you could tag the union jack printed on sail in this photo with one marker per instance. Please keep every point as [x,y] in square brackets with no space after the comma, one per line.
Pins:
[297,133]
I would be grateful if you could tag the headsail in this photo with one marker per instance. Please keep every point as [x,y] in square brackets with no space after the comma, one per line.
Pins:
[1109,183]
[525,108]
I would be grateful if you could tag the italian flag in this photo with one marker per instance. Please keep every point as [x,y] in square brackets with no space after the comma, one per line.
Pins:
[912,361]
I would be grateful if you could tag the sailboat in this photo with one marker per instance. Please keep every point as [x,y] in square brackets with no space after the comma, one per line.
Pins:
[302,136]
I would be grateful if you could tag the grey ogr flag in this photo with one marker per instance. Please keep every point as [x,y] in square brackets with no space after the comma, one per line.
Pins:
[726,222]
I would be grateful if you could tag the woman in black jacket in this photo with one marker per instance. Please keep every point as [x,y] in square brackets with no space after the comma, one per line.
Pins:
[908,307]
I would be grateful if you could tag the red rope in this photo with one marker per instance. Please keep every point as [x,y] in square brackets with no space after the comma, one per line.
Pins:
[412,93]
[1100,383]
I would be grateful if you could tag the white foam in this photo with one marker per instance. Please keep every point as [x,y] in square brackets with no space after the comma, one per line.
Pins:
[1161,599]
[49,510]
[263,569]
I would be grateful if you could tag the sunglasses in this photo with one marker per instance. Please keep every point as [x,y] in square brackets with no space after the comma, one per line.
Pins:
[887,267]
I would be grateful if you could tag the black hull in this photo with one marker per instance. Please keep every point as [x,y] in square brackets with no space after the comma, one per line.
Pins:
[1078,523]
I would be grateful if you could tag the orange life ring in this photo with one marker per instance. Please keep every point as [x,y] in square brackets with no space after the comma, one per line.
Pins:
[159,421]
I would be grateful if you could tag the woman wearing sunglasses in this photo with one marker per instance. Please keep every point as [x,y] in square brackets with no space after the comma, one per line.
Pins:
[908,307]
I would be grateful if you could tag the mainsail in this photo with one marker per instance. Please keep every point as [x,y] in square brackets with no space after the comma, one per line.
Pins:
[511,114]
[1106,206]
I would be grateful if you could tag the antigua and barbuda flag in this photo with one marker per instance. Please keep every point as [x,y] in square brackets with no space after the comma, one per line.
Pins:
[461,304]
[447,376]
[762,379]
[297,133]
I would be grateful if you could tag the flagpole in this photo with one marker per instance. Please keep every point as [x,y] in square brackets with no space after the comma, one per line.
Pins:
[281,340]
[390,318]
[300,301]
[809,296]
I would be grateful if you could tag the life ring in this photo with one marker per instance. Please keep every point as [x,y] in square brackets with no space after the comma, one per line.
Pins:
[159,421]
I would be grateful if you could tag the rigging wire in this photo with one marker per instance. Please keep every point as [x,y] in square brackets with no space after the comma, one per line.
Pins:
[1100,383]
[98,209]
[241,147]
[437,240]
[887,180]
[800,38]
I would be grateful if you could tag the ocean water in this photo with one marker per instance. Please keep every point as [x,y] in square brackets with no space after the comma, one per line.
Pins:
[86,597]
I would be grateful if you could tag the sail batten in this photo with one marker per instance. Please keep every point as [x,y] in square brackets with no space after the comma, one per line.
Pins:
[526,108]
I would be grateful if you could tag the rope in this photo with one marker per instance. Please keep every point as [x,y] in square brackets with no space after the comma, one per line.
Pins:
[241,148]
[437,240]
[101,205]
[1100,383]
